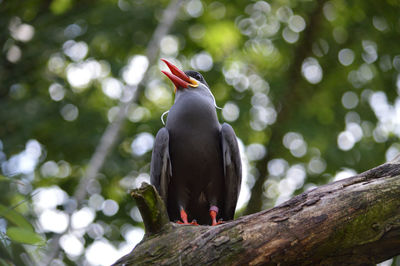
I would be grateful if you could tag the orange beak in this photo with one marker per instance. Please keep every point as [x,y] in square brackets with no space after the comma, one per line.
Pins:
[178,77]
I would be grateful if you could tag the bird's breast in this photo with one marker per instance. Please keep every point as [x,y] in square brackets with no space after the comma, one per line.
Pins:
[194,143]
[192,112]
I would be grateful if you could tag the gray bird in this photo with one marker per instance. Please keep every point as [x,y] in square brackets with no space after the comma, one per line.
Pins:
[195,164]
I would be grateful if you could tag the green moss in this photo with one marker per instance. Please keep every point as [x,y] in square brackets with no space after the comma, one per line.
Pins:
[151,202]
[365,227]
[152,208]
[231,254]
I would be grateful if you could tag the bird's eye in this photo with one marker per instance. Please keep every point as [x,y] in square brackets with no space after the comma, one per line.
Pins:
[198,77]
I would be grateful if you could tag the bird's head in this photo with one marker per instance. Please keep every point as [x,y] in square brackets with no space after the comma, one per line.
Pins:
[184,79]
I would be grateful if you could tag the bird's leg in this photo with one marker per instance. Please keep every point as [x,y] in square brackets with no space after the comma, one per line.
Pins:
[213,214]
[185,219]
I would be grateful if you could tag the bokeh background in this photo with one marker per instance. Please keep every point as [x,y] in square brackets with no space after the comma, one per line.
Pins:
[310,87]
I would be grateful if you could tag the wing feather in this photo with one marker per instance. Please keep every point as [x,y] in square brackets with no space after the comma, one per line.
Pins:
[160,169]
[232,170]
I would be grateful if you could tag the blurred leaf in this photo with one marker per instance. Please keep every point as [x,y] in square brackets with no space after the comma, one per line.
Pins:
[11,180]
[25,236]
[4,179]
[60,6]
[15,218]
[221,38]
[5,263]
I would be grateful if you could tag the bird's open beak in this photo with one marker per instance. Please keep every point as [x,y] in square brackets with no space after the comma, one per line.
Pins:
[178,77]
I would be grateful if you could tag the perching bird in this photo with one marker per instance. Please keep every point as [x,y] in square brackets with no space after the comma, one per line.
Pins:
[195,164]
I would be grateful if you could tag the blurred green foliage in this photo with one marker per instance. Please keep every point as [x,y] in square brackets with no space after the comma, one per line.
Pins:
[310,87]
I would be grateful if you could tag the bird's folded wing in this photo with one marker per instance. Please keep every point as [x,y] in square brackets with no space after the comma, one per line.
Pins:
[232,170]
[160,169]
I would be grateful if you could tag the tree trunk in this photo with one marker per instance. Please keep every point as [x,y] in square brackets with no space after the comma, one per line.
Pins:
[355,221]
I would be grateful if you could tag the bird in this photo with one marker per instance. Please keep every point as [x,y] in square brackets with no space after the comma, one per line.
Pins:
[195,165]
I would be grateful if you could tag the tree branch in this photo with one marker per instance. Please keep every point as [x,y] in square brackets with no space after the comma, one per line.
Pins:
[355,221]
[152,209]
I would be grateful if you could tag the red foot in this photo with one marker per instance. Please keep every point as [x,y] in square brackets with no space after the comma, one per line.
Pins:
[213,214]
[185,220]
[217,223]
[194,222]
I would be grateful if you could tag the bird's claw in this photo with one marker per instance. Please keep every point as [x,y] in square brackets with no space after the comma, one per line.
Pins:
[214,223]
[194,222]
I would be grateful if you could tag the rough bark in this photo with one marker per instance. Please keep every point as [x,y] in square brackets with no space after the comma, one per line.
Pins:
[152,209]
[355,221]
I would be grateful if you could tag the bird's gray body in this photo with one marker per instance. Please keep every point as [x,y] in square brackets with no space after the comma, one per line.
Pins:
[190,159]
